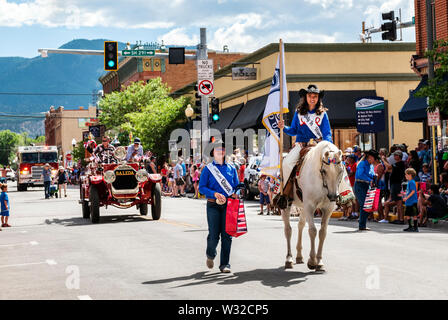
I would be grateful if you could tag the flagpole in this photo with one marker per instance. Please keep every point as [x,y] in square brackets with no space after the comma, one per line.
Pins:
[281,113]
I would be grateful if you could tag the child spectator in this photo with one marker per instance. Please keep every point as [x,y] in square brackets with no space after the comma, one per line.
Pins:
[425,175]
[263,186]
[410,200]
[4,205]
[433,205]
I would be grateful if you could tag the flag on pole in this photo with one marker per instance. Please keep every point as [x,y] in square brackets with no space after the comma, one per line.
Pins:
[270,164]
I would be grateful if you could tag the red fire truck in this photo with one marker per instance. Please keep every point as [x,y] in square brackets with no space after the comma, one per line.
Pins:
[31,161]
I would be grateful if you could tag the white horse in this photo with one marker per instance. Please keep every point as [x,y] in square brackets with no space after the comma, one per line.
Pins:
[320,178]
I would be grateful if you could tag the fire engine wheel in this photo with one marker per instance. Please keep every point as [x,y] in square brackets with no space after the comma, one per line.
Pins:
[156,206]
[143,207]
[94,200]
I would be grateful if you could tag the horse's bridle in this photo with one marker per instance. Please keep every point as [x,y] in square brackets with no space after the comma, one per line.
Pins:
[336,163]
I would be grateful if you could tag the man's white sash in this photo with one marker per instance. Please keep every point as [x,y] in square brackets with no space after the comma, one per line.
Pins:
[313,121]
[220,179]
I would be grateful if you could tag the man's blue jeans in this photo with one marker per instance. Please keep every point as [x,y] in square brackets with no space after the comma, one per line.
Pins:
[361,189]
[216,218]
[47,189]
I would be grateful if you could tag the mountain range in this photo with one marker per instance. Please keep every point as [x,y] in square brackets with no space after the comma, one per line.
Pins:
[55,74]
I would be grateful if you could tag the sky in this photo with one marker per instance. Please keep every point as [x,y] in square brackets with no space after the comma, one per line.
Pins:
[242,25]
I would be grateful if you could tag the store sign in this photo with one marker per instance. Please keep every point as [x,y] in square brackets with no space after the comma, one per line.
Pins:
[370,116]
[434,118]
[244,74]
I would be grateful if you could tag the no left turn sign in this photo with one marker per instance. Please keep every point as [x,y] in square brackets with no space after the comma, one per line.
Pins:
[205,87]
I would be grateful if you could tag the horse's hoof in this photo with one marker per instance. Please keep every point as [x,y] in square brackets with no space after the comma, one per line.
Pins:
[288,265]
[311,267]
[299,260]
[320,268]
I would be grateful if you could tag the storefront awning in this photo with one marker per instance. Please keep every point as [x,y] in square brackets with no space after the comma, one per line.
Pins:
[340,104]
[226,117]
[251,114]
[414,109]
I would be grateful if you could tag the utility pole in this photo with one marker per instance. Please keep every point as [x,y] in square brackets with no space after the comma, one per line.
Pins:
[203,55]
[429,38]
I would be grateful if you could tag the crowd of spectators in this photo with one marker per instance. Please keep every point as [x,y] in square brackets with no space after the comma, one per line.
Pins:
[397,173]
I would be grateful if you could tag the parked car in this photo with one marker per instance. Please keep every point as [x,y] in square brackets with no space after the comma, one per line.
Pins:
[122,184]
[10,175]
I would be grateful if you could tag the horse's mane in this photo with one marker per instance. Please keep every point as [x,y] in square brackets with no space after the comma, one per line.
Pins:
[316,152]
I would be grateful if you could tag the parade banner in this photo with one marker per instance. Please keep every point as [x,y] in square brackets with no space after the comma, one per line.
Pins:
[270,163]
[370,116]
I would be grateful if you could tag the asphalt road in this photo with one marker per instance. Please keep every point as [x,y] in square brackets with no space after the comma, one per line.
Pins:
[50,252]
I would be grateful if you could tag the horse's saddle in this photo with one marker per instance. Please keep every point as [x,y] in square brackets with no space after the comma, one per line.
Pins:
[288,189]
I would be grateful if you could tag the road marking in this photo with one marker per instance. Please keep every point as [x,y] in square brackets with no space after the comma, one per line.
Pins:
[49,262]
[33,243]
[178,223]
[86,297]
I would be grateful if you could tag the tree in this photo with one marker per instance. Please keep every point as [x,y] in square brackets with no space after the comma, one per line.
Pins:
[437,88]
[8,143]
[78,153]
[147,111]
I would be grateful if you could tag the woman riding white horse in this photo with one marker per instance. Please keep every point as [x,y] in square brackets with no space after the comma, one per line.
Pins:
[321,185]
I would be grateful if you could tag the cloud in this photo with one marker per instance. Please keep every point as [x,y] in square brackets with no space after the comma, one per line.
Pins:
[70,14]
[341,4]
[178,36]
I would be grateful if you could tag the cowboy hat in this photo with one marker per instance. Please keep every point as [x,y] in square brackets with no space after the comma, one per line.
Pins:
[312,88]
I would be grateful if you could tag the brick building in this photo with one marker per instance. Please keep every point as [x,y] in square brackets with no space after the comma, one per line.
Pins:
[64,125]
[440,31]
[133,69]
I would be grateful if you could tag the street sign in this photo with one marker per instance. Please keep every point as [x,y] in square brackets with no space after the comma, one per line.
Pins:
[205,88]
[138,53]
[370,115]
[434,118]
[205,70]
[244,74]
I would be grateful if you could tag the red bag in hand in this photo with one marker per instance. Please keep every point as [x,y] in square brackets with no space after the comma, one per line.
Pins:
[372,200]
[235,218]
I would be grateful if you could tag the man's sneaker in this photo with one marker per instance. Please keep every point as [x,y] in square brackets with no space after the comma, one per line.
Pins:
[414,229]
[261,213]
[383,221]
[409,229]
[226,270]
[209,263]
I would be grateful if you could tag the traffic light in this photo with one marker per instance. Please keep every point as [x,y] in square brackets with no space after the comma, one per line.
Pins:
[110,55]
[215,109]
[390,28]
[197,102]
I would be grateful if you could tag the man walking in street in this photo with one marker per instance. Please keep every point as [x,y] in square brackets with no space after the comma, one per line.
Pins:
[363,178]
[46,173]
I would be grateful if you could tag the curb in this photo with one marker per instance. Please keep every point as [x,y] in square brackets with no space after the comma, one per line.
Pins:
[441,225]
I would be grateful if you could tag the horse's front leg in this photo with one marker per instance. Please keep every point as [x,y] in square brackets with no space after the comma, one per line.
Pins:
[326,214]
[302,221]
[288,232]
[312,231]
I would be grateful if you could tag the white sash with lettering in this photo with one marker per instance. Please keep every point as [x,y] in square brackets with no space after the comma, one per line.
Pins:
[222,181]
[313,121]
